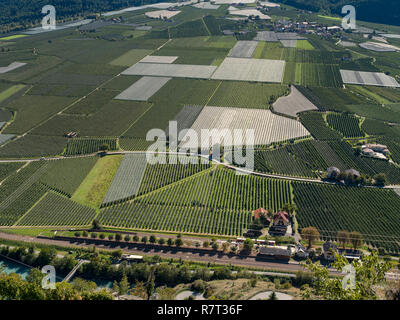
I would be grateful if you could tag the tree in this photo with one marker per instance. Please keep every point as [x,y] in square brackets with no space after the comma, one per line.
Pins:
[178,242]
[273,296]
[124,285]
[152,239]
[225,246]
[140,290]
[343,237]
[118,237]
[35,276]
[150,284]
[161,241]
[96,225]
[116,254]
[248,245]
[127,238]
[215,245]
[356,239]
[310,234]
[144,239]
[206,244]
[380,179]
[104,147]
[170,242]
[368,272]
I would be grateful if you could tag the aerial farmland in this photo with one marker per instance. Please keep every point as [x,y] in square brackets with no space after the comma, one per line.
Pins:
[82,105]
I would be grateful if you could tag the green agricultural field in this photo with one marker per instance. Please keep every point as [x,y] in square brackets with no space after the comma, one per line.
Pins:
[356,211]
[33,110]
[4,95]
[55,210]
[111,120]
[93,189]
[72,76]
[160,175]
[347,125]
[304,45]
[131,57]
[316,125]
[30,146]
[268,50]
[246,94]
[92,103]
[79,146]
[318,75]
[65,176]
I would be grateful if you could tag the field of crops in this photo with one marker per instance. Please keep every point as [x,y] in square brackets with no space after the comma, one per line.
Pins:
[113,119]
[65,176]
[222,189]
[318,75]
[347,125]
[280,161]
[246,94]
[79,146]
[55,210]
[33,146]
[176,219]
[32,110]
[316,125]
[159,175]
[334,208]
[268,50]
[8,168]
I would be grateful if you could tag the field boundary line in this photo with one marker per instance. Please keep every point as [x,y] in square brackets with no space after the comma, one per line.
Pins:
[212,95]
[209,33]
[137,119]
[30,209]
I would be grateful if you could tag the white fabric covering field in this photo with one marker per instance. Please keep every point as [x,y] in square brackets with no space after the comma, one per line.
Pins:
[161,14]
[250,12]
[289,43]
[143,89]
[206,5]
[126,182]
[171,70]
[242,69]
[294,103]
[159,59]
[268,127]
[11,67]
[243,49]
[368,78]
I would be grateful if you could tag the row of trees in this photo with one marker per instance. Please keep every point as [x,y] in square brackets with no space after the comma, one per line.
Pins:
[311,234]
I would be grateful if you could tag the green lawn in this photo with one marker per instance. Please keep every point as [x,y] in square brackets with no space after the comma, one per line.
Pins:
[10,91]
[95,186]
